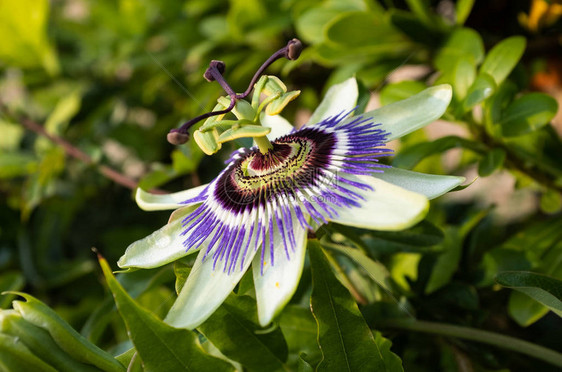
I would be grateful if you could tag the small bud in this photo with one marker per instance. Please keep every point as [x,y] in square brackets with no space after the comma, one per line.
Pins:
[294,49]
[177,138]
[219,65]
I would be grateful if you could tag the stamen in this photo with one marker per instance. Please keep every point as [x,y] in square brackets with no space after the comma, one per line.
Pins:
[291,51]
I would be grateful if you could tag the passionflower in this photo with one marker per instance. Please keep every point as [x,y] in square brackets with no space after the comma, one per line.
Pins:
[258,210]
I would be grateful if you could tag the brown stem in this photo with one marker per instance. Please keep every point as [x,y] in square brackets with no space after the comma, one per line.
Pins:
[73,151]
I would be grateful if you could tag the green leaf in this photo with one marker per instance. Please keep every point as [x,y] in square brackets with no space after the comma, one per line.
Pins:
[491,162]
[15,356]
[462,44]
[482,88]
[374,269]
[310,25]
[26,23]
[528,113]
[65,110]
[346,341]
[430,185]
[464,7]
[39,314]
[358,30]
[551,201]
[11,135]
[299,329]
[10,281]
[503,57]
[463,77]
[411,156]
[417,111]
[160,346]
[422,10]
[524,310]
[414,28]
[398,91]
[16,164]
[392,361]
[447,261]
[39,342]
[495,106]
[233,329]
[541,288]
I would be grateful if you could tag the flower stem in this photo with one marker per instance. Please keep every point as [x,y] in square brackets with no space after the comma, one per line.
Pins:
[478,335]
[263,144]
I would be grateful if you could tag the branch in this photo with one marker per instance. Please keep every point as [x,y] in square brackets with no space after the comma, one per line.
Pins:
[76,153]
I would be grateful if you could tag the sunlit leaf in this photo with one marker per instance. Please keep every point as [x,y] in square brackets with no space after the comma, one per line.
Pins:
[346,341]
[160,346]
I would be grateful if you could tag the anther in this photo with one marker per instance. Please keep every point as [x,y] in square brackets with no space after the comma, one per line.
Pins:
[294,49]
[218,65]
[176,137]
[214,72]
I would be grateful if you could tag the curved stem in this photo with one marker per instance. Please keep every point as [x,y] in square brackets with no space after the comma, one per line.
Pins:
[491,338]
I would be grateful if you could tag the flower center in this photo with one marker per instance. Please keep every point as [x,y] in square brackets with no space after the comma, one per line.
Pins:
[294,163]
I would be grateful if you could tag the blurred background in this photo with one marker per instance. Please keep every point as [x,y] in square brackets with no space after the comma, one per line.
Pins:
[89,90]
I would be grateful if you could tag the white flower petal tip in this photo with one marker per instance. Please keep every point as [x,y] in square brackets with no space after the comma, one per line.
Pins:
[158,202]
[204,291]
[403,117]
[430,185]
[339,98]
[277,284]
[386,207]
[278,124]
[159,248]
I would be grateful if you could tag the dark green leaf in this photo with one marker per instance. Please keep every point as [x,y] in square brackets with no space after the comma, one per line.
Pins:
[39,342]
[39,314]
[528,113]
[491,162]
[161,347]
[411,156]
[346,341]
[503,57]
[300,330]
[15,356]
[414,28]
[10,281]
[551,201]
[541,288]
[482,88]
[234,330]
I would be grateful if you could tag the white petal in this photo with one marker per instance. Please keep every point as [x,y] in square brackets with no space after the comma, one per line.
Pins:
[430,185]
[278,124]
[161,247]
[159,202]
[279,282]
[403,117]
[205,290]
[339,98]
[386,207]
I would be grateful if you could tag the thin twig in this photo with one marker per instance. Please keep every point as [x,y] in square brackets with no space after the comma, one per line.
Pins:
[75,152]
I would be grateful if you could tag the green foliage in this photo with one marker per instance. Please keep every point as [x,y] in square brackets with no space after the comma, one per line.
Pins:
[107,80]
[345,340]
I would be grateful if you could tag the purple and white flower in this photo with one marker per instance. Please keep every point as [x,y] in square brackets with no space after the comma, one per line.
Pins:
[260,207]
